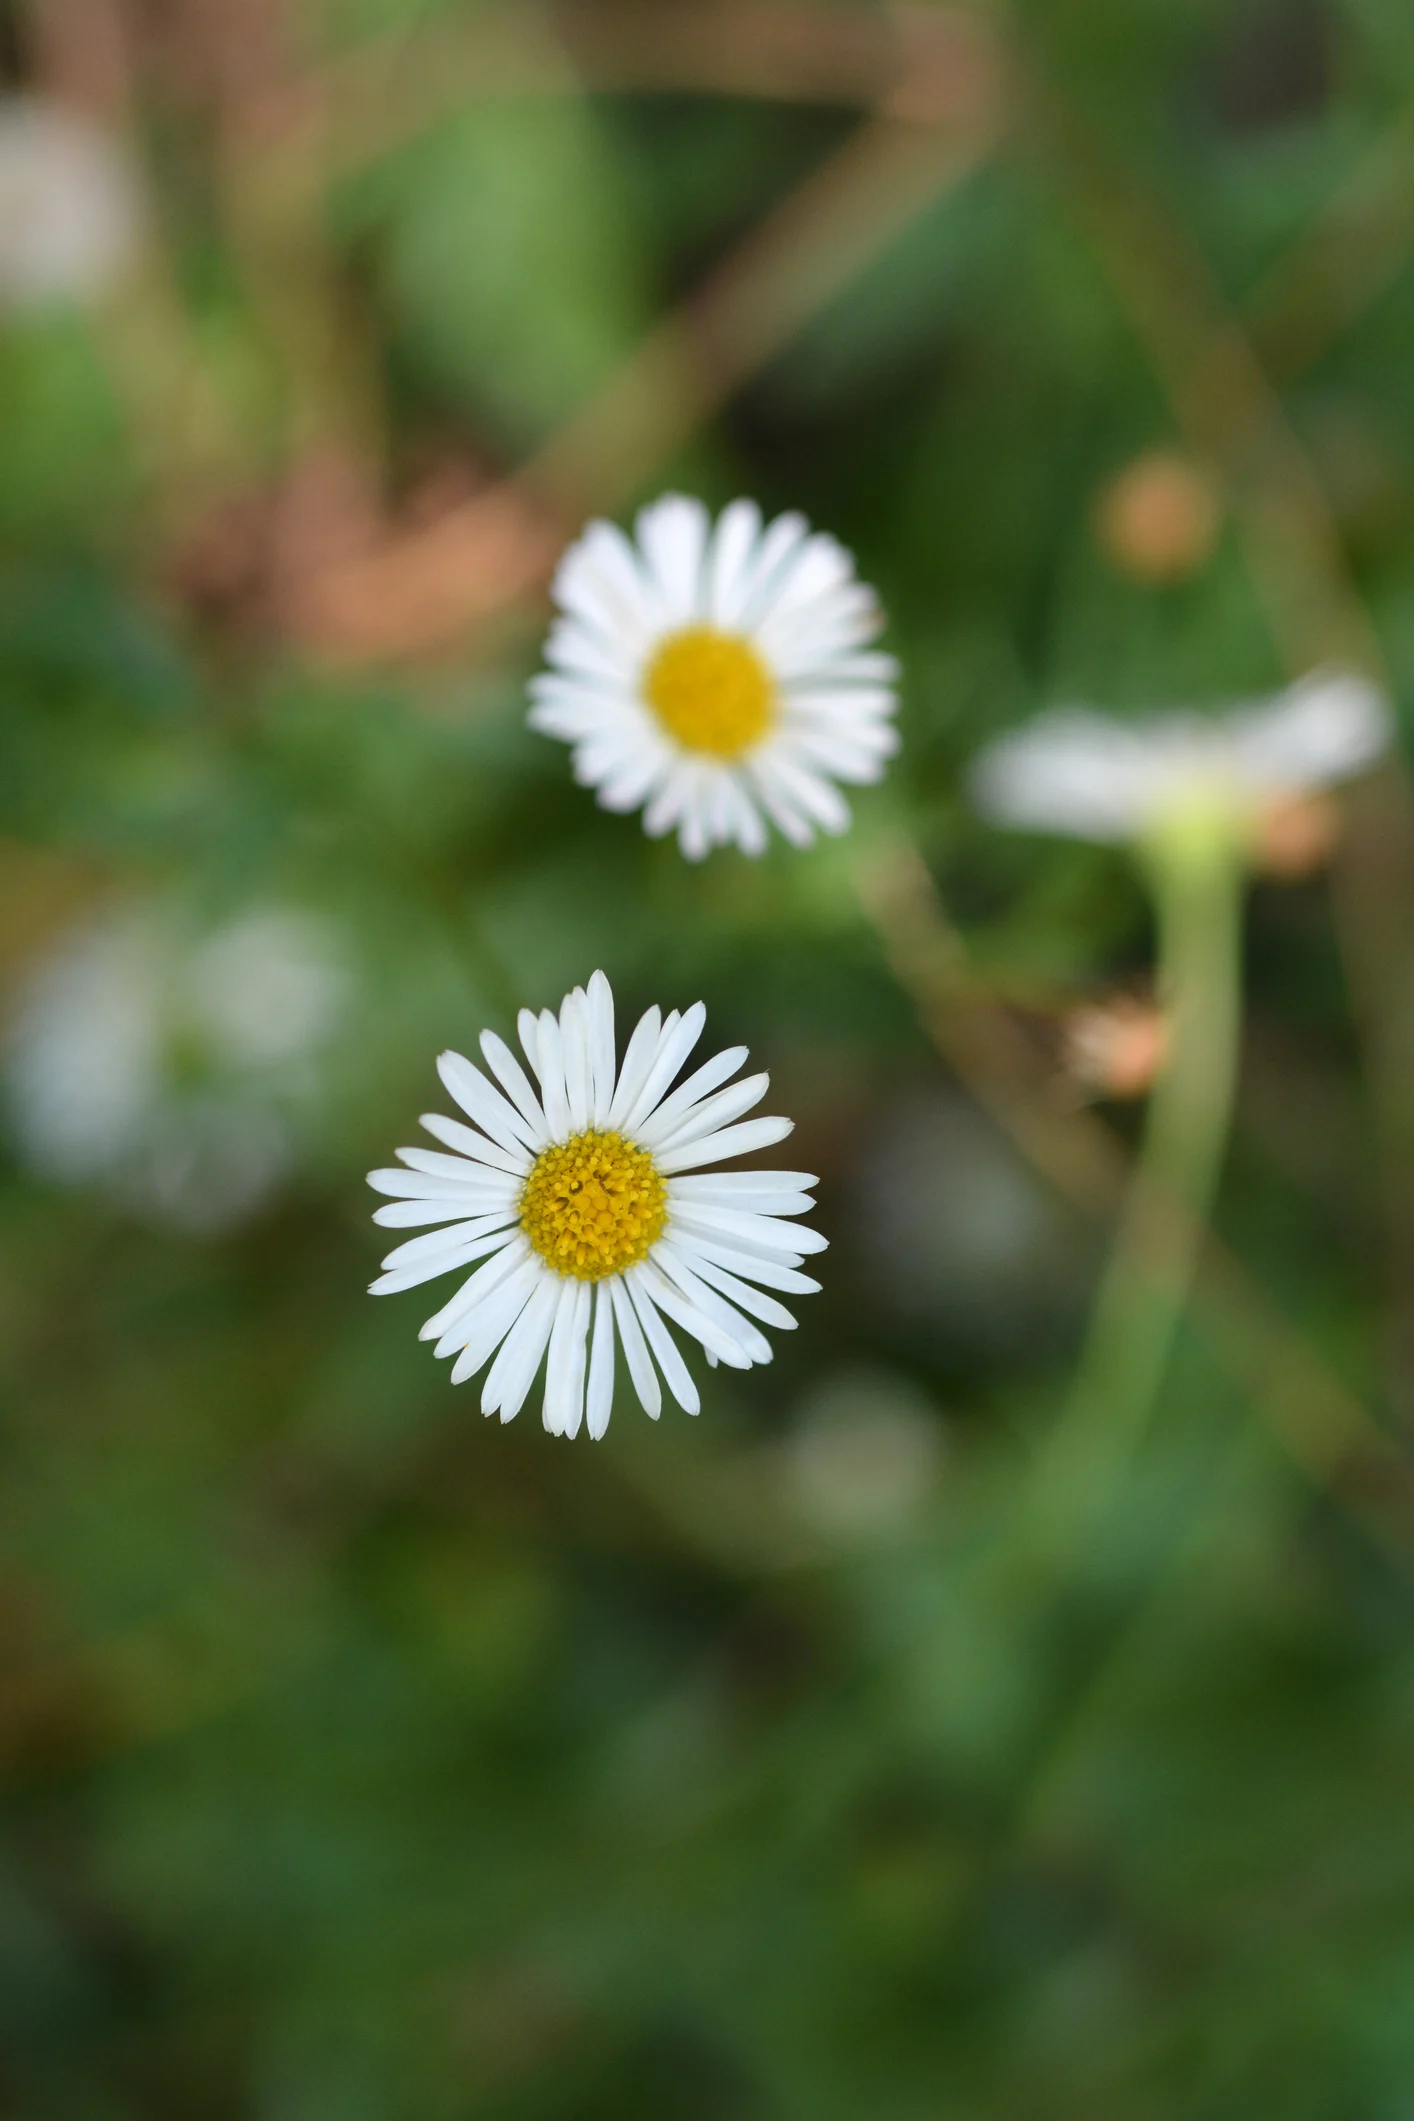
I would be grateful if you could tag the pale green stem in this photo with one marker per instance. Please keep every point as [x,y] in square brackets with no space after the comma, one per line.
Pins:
[1196,870]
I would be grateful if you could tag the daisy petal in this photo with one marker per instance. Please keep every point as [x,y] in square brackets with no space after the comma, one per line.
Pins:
[494,1114]
[731,1141]
[712,1113]
[599,1394]
[673,1050]
[637,1061]
[564,1371]
[665,1348]
[513,1372]
[741,1292]
[698,1085]
[640,1362]
[600,998]
[516,1084]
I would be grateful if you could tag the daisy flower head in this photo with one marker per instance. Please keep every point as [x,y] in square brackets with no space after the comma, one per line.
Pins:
[717,676]
[587,1195]
[1086,776]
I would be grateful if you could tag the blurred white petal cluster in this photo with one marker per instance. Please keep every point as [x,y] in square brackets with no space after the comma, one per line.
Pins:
[1082,774]
[167,1067]
[718,676]
[70,214]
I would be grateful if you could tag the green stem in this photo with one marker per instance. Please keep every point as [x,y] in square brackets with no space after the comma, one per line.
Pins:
[1196,872]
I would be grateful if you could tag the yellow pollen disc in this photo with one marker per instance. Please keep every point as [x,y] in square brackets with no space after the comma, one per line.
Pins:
[711,691]
[593,1206]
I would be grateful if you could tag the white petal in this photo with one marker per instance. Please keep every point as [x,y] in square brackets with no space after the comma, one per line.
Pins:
[574,1045]
[528,1031]
[640,1362]
[754,1233]
[462,1255]
[440,1243]
[674,1265]
[637,1061]
[516,1084]
[513,1372]
[783,814]
[626,786]
[752,1201]
[494,1114]
[478,1183]
[698,1085]
[599,1396]
[769,1272]
[780,542]
[672,536]
[652,1282]
[714,1112]
[673,1049]
[665,1348]
[732,1141]
[1323,729]
[481,1326]
[551,1070]
[586,653]
[490,1322]
[600,998]
[760,1306]
[695,834]
[564,1372]
[748,830]
[805,790]
[419,1214]
[600,580]
[733,544]
[673,798]
[725,1186]
[476,1287]
[1070,771]
[468,1143]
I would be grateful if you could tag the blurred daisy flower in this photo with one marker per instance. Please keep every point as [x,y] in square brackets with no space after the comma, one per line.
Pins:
[717,676]
[1082,774]
[70,218]
[168,1067]
[588,1201]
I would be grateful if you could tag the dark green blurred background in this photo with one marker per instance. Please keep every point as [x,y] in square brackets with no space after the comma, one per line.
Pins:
[363,1761]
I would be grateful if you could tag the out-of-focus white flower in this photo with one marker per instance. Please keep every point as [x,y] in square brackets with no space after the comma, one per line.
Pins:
[70,216]
[588,1203]
[717,677]
[166,1066]
[864,1457]
[1083,774]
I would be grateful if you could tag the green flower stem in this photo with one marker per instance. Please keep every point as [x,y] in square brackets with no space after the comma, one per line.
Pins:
[1195,866]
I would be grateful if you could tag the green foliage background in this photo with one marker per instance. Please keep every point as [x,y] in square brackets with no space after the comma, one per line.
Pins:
[361,1759]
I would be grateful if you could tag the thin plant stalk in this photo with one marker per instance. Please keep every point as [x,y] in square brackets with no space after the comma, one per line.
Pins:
[1196,872]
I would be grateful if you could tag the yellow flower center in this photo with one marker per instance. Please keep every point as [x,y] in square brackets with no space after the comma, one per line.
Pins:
[593,1206]
[711,691]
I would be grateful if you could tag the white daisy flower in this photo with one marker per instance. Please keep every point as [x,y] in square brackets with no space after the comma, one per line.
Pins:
[1082,774]
[717,676]
[70,214]
[589,1202]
